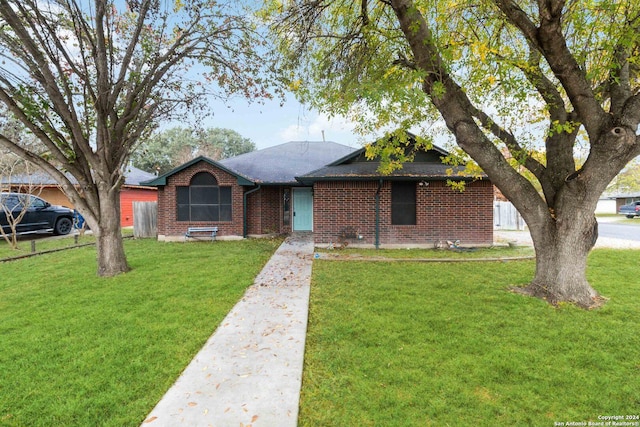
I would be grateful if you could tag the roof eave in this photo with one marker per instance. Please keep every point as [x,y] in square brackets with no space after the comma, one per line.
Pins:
[162,179]
[310,180]
[356,153]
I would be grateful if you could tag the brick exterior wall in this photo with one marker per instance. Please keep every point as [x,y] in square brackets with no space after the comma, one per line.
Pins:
[168,224]
[345,207]
[442,214]
[264,211]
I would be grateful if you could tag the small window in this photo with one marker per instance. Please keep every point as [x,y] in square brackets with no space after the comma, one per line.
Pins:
[286,206]
[37,203]
[403,203]
[203,200]
[13,202]
[10,202]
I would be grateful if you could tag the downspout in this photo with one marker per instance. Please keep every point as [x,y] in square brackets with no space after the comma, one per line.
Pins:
[378,214]
[245,226]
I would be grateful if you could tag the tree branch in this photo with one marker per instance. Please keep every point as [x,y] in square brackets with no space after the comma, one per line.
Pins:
[32,56]
[405,62]
[515,149]
[364,13]
[458,112]
[619,83]
[630,112]
[549,39]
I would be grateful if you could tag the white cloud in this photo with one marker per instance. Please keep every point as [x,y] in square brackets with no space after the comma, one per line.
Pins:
[292,133]
[310,128]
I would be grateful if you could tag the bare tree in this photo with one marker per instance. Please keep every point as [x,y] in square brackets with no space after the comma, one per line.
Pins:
[15,177]
[89,79]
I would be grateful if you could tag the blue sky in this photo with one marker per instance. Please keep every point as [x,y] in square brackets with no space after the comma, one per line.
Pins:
[270,124]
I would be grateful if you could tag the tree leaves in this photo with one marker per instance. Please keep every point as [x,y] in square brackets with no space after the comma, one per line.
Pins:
[170,148]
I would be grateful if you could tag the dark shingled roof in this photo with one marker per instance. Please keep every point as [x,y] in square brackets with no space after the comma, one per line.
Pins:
[132,176]
[427,165]
[369,171]
[305,162]
[283,163]
[135,176]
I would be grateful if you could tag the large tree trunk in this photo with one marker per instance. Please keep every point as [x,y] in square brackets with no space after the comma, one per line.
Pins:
[561,219]
[562,248]
[111,257]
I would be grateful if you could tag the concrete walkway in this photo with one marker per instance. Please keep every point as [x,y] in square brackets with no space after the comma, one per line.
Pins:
[249,372]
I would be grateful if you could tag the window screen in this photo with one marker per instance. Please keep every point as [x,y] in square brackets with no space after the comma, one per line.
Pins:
[403,203]
[203,200]
[286,206]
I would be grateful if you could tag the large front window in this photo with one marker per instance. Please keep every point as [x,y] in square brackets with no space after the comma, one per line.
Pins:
[204,200]
[403,203]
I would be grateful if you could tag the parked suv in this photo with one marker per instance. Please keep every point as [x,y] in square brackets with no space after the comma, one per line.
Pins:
[40,215]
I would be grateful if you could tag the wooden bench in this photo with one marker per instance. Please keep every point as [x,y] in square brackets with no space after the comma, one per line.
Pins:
[196,232]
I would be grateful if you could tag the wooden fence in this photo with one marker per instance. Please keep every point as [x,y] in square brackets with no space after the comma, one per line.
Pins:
[145,219]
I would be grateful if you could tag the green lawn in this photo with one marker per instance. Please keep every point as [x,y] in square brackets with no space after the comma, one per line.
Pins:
[47,242]
[413,344]
[78,350]
[495,252]
[389,344]
[41,244]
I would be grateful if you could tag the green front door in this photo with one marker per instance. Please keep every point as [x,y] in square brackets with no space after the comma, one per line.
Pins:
[302,209]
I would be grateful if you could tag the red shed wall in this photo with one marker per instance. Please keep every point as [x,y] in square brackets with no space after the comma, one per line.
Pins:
[168,225]
[442,213]
[128,195]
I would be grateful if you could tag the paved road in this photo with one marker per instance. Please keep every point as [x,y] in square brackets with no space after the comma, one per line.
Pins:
[620,231]
[612,234]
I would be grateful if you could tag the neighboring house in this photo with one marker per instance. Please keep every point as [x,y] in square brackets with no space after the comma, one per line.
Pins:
[329,189]
[44,186]
[607,205]
[133,191]
[625,199]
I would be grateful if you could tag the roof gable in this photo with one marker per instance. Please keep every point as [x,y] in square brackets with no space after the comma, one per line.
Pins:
[162,179]
[432,155]
[427,164]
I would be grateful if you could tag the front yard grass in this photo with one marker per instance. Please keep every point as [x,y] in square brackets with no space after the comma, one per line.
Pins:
[412,344]
[493,252]
[42,243]
[47,242]
[79,350]
[389,344]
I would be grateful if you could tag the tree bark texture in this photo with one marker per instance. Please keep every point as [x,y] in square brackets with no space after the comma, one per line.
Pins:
[110,248]
[561,220]
[562,248]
